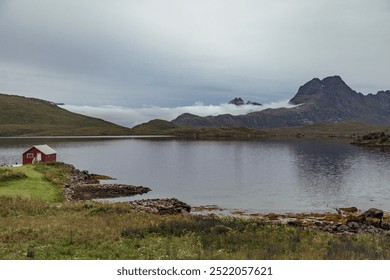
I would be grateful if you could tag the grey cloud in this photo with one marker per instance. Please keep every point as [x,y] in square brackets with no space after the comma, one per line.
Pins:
[172,53]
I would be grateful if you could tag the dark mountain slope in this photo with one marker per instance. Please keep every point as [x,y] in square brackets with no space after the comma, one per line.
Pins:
[318,101]
[30,116]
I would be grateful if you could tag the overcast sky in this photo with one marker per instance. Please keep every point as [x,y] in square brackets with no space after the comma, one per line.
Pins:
[175,53]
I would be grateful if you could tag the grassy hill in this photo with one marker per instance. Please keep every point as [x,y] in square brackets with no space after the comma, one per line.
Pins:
[21,116]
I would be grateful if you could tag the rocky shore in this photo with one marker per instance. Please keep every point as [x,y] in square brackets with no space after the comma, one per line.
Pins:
[344,221]
[84,186]
[96,191]
[161,206]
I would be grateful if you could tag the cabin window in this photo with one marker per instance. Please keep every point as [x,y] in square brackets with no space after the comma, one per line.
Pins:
[30,155]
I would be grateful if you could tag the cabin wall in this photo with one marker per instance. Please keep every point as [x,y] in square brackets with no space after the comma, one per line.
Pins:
[32,154]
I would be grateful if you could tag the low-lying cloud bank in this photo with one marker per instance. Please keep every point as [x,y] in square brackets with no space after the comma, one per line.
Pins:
[133,116]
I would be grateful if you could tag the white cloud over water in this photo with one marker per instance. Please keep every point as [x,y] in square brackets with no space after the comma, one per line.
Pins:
[132,116]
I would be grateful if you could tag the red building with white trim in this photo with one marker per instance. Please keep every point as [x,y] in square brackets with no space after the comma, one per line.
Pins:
[39,153]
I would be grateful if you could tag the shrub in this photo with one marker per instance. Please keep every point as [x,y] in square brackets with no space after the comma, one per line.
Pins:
[10,174]
[133,233]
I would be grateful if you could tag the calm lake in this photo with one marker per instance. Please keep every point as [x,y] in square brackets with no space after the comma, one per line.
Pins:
[257,176]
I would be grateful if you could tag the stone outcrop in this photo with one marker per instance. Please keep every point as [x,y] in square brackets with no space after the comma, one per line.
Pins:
[84,186]
[96,191]
[373,213]
[82,177]
[161,206]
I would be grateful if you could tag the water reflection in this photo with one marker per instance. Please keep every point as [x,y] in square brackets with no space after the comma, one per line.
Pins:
[263,176]
[332,174]
[321,165]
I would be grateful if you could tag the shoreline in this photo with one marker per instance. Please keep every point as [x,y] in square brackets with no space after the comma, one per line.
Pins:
[348,220]
[85,187]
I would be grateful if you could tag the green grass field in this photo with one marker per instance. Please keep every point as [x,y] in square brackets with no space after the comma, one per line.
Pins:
[33,181]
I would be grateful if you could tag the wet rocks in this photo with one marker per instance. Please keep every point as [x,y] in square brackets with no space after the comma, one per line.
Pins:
[84,186]
[82,177]
[373,213]
[347,210]
[351,221]
[161,206]
[96,191]
[346,221]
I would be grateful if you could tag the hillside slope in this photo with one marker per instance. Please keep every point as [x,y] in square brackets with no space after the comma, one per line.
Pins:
[21,116]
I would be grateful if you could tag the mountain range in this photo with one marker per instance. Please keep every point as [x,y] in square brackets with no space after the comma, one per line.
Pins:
[239,102]
[326,101]
[329,100]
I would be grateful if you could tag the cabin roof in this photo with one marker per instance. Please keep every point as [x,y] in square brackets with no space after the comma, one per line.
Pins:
[44,149]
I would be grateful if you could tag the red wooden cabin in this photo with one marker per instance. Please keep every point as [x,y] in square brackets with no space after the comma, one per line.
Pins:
[39,153]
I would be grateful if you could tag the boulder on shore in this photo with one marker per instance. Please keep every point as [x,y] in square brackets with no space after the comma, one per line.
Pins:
[373,213]
[161,206]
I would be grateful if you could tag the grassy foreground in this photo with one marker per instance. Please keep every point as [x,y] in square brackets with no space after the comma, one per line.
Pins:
[34,227]
[41,181]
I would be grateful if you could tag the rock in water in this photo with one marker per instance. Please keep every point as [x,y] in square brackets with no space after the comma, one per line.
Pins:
[373,213]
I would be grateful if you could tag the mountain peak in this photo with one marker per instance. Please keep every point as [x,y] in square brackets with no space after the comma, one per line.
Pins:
[237,101]
[317,87]
[333,81]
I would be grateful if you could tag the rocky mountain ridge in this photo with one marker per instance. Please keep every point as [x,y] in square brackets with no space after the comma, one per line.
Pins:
[329,100]
[238,101]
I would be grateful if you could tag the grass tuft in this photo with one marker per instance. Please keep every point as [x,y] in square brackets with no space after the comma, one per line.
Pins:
[7,174]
